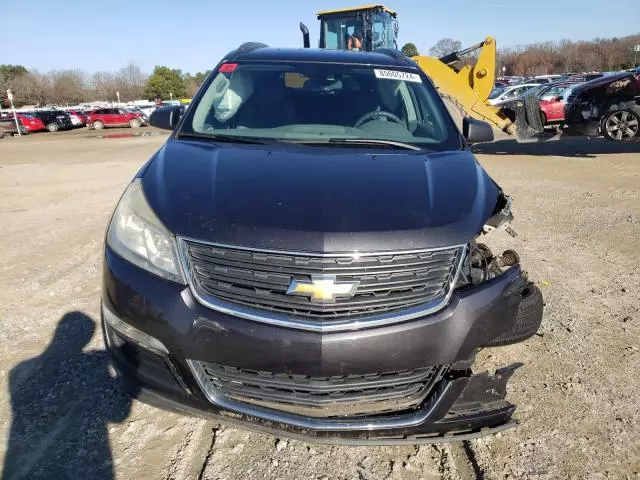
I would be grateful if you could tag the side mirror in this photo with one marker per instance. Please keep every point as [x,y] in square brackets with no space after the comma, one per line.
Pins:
[556,99]
[476,131]
[166,117]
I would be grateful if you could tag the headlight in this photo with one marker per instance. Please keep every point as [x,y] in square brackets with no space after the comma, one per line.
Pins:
[137,235]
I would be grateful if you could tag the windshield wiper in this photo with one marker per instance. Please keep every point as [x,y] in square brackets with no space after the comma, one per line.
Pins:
[365,142]
[218,137]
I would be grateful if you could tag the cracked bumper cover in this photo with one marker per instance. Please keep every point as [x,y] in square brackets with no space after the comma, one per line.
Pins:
[463,405]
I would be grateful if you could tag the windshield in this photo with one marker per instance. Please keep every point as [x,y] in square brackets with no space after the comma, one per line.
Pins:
[320,101]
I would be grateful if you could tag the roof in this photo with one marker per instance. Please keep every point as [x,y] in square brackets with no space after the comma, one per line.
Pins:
[355,9]
[604,80]
[391,58]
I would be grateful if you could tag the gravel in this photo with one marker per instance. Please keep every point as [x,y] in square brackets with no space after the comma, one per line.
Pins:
[577,205]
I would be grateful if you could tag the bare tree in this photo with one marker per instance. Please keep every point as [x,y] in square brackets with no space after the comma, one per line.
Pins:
[32,89]
[69,86]
[444,47]
[130,82]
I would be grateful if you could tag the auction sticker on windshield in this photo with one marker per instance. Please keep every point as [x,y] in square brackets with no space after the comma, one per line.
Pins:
[397,75]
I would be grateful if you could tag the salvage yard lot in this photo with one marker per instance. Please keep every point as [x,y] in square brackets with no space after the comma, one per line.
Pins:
[577,208]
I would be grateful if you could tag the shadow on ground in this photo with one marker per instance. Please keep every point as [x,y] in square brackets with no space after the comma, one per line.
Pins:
[566,147]
[62,402]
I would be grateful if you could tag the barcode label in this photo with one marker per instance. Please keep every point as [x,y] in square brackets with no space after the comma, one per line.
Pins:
[397,75]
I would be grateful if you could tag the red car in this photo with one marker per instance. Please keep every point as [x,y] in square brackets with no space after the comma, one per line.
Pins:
[32,124]
[114,117]
[552,103]
[552,110]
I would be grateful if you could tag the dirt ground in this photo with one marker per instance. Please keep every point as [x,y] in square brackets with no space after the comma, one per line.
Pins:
[577,206]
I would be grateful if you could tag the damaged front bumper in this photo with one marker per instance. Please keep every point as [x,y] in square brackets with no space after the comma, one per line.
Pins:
[466,406]
[158,334]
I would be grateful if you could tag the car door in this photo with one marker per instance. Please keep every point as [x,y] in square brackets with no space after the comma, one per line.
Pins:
[124,116]
[99,115]
[556,105]
[111,117]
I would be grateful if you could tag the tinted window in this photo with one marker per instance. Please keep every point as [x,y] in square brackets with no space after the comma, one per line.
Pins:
[320,100]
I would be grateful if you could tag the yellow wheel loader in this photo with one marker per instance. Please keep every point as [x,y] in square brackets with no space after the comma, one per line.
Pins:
[464,88]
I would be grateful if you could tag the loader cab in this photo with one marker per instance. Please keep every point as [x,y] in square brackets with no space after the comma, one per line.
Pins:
[374,25]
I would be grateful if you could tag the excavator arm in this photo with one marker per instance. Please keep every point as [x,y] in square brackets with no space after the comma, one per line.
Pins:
[469,86]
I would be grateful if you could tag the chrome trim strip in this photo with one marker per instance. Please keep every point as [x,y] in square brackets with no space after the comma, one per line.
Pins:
[317,254]
[388,422]
[347,324]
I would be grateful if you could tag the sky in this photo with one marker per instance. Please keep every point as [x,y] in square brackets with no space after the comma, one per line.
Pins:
[193,35]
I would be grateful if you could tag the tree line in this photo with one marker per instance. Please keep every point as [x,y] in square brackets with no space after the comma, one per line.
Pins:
[73,86]
[565,56]
[31,87]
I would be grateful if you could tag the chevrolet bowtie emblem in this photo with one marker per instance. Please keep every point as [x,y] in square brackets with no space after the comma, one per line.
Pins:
[322,288]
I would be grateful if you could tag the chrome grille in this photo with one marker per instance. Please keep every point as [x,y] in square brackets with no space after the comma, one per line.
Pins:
[334,396]
[260,279]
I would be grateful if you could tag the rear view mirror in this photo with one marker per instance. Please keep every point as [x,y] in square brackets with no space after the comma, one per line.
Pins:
[166,117]
[476,131]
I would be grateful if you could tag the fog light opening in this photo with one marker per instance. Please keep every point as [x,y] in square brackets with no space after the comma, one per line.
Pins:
[140,338]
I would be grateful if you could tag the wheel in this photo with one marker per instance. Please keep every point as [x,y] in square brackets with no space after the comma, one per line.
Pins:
[1,133]
[621,125]
[455,110]
[528,319]
[53,127]
[98,125]
[532,110]
[135,123]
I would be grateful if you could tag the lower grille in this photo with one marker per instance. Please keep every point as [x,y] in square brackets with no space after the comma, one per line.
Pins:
[335,396]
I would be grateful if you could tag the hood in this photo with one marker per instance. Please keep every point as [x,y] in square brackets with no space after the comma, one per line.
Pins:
[303,198]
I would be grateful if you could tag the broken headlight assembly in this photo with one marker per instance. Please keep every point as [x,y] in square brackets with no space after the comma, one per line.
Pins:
[480,264]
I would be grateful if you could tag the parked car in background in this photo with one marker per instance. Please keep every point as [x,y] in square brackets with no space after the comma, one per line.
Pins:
[511,79]
[552,111]
[147,110]
[114,117]
[552,102]
[134,109]
[509,93]
[32,124]
[8,126]
[79,119]
[584,77]
[53,120]
[607,106]
[544,79]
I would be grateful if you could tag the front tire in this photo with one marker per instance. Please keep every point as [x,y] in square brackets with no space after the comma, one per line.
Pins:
[97,125]
[622,125]
[528,319]
[53,127]
[135,123]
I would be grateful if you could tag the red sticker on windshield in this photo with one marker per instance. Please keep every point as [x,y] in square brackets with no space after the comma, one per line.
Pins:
[227,67]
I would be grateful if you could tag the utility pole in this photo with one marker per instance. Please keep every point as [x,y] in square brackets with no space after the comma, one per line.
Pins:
[15,117]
